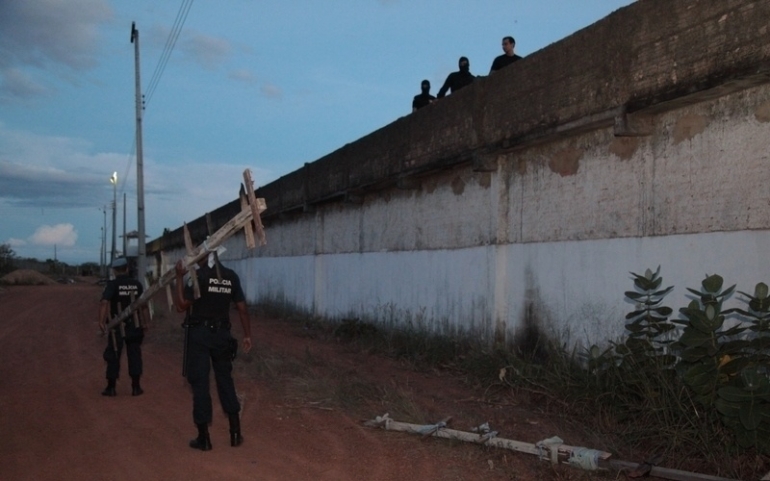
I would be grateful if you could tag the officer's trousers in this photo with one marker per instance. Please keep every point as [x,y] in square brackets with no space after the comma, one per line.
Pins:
[133,344]
[210,348]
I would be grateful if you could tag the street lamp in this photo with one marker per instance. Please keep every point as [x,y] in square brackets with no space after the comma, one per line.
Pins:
[114,182]
[103,246]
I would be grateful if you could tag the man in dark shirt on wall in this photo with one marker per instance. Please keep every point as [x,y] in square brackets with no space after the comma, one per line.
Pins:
[508,57]
[424,99]
[457,80]
[210,344]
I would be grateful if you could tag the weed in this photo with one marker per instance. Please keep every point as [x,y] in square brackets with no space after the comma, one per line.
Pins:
[697,395]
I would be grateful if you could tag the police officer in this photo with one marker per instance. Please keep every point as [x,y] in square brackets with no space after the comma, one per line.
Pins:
[117,295]
[210,344]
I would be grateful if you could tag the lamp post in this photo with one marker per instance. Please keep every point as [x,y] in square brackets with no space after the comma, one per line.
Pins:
[114,182]
[101,252]
[103,247]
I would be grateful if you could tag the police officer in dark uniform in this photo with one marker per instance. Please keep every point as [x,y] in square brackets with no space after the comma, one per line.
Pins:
[210,344]
[117,295]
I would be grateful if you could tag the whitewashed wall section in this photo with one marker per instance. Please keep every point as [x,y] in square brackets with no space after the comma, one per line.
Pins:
[551,236]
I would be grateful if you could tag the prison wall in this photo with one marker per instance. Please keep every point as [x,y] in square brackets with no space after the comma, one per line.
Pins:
[523,201]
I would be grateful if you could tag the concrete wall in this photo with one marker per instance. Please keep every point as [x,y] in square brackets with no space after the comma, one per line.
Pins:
[525,200]
[549,238]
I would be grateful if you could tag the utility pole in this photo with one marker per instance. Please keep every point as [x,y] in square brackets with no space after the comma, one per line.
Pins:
[114,182]
[141,262]
[125,254]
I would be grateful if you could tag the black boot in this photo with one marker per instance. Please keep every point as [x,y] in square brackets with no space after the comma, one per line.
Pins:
[203,441]
[110,389]
[136,389]
[235,430]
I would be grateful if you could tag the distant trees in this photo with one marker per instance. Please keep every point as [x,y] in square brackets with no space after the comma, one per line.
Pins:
[89,269]
[53,266]
[7,255]
[10,261]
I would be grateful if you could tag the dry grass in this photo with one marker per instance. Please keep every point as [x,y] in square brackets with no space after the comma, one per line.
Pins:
[655,418]
[632,413]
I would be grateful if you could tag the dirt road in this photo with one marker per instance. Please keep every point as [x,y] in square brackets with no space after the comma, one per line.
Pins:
[54,424]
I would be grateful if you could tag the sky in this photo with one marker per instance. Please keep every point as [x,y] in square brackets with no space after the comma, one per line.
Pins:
[265,85]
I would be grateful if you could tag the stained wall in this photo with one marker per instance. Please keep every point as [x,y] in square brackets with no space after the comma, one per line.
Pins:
[526,199]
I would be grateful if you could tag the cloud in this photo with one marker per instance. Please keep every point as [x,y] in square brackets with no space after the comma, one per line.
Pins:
[208,52]
[267,89]
[62,176]
[13,242]
[30,185]
[40,171]
[63,235]
[243,75]
[47,34]
[187,197]
[271,91]
[16,83]
[52,30]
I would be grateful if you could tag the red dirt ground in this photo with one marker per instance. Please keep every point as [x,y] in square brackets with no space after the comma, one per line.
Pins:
[54,424]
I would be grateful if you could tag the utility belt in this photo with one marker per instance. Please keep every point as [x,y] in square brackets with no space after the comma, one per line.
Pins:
[213,324]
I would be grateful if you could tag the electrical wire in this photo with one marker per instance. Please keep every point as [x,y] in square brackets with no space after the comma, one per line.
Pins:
[176,29]
[129,165]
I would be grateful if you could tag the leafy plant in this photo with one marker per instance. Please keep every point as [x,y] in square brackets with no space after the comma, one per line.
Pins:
[744,406]
[705,348]
[648,324]
[744,403]
[757,351]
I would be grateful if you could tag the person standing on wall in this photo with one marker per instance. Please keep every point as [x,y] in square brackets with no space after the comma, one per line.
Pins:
[210,344]
[117,295]
[506,58]
[457,80]
[424,98]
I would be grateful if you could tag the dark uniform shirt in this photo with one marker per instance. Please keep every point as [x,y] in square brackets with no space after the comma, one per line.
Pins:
[212,346]
[422,100]
[216,294]
[455,81]
[118,291]
[503,61]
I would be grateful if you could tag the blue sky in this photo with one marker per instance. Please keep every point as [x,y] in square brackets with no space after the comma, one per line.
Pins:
[266,85]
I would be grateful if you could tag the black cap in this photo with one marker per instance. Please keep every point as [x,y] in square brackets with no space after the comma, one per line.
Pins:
[119,262]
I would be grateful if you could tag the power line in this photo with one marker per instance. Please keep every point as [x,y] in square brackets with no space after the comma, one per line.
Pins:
[129,164]
[176,29]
